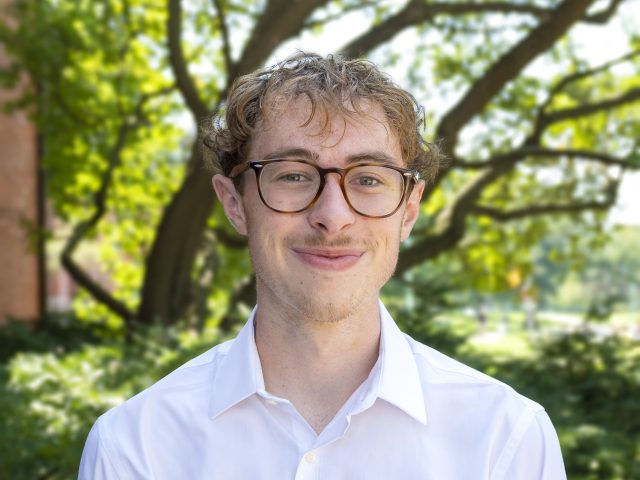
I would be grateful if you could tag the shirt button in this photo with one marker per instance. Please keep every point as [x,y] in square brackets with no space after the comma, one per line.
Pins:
[271,402]
[310,457]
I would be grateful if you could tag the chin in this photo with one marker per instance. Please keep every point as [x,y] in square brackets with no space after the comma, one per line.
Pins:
[330,307]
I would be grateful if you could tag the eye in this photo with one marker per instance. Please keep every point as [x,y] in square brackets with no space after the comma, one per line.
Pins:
[293,177]
[367,181]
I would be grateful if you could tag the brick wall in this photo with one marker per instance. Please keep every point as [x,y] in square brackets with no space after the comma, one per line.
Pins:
[18,204]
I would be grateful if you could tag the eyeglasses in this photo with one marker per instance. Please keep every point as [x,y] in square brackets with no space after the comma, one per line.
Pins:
[292,186]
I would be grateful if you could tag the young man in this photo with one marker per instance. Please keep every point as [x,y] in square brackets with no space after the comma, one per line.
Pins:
[321,161]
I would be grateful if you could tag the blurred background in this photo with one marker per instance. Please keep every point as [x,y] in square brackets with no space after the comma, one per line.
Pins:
[117,264]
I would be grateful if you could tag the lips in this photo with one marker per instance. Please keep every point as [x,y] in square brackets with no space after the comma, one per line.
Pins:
[333,259]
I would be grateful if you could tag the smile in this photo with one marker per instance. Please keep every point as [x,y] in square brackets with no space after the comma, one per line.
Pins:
[329,259]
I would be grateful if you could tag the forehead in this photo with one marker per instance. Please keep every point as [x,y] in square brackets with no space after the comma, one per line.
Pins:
[327,135]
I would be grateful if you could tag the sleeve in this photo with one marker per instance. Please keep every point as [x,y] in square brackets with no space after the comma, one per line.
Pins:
[537,455]
[95,463]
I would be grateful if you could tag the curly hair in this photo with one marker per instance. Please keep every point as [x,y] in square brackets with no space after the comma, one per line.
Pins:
[333,85]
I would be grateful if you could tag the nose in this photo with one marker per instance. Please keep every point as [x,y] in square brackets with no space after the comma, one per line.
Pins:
[331,213]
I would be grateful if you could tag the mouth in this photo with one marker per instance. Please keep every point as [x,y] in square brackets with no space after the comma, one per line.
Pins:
[329,259]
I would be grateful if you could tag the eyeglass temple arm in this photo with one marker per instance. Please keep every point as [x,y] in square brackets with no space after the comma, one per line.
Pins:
[240,168]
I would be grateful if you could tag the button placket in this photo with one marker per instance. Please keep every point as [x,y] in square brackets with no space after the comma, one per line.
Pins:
[308,466]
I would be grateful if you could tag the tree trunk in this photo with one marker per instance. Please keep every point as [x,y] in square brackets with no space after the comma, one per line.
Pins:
[167,284]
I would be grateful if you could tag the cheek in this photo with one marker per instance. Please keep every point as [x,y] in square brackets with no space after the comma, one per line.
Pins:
[259,236]
[387,243]
[266,234]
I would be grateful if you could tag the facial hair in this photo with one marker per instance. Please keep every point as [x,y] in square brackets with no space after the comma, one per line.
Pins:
[306,304]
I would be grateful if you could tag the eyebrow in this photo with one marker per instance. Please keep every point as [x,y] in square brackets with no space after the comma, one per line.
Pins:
[373,156]
[292,152]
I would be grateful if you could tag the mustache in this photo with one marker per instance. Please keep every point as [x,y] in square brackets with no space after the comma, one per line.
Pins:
[320,241]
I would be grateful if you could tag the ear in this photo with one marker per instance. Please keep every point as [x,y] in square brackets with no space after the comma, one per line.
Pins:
[411,211]
[231,202]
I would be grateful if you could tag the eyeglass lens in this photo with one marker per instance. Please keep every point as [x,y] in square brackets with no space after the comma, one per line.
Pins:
[371,190]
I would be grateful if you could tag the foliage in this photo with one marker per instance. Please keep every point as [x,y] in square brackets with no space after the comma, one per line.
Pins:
[50,400]
[532,128]
[530,124]
[53,333]
[607,277]
[105,114]
[587,384]
[575,268]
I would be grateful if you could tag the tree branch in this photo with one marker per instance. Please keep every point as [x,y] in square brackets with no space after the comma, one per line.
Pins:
[563,83]
[508,67]
[453,218]
[511,156]
[420,11]
[95,290]
[604,15]
[226,51]
[515,214]
[280,20]
[340,14]
[534,210]
[230,240]
[82,229]
[178,66]
[588,109]
[542,118]
[521,153]
[451,222]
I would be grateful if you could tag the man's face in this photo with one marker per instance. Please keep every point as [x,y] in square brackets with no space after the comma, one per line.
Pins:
[327,260]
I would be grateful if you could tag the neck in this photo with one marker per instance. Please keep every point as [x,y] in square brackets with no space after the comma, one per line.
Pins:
[315,363]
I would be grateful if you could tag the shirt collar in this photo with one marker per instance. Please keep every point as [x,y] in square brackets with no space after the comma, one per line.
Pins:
[400,383]
[239,373]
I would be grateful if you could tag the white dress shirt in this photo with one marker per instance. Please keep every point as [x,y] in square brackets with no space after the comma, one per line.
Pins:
[419,415]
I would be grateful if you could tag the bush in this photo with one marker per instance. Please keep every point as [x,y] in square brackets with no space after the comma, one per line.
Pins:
[50,400]
[589,386]
[52,333]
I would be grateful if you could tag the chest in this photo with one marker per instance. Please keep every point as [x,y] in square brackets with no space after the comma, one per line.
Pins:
[371,445]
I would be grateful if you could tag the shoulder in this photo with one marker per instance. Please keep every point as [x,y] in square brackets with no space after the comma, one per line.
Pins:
[464,398]
[121,437]
[184,387]
[439,370]
[192,376]
[487,416]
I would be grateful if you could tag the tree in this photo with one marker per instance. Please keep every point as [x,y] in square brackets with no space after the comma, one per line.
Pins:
[531,129]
